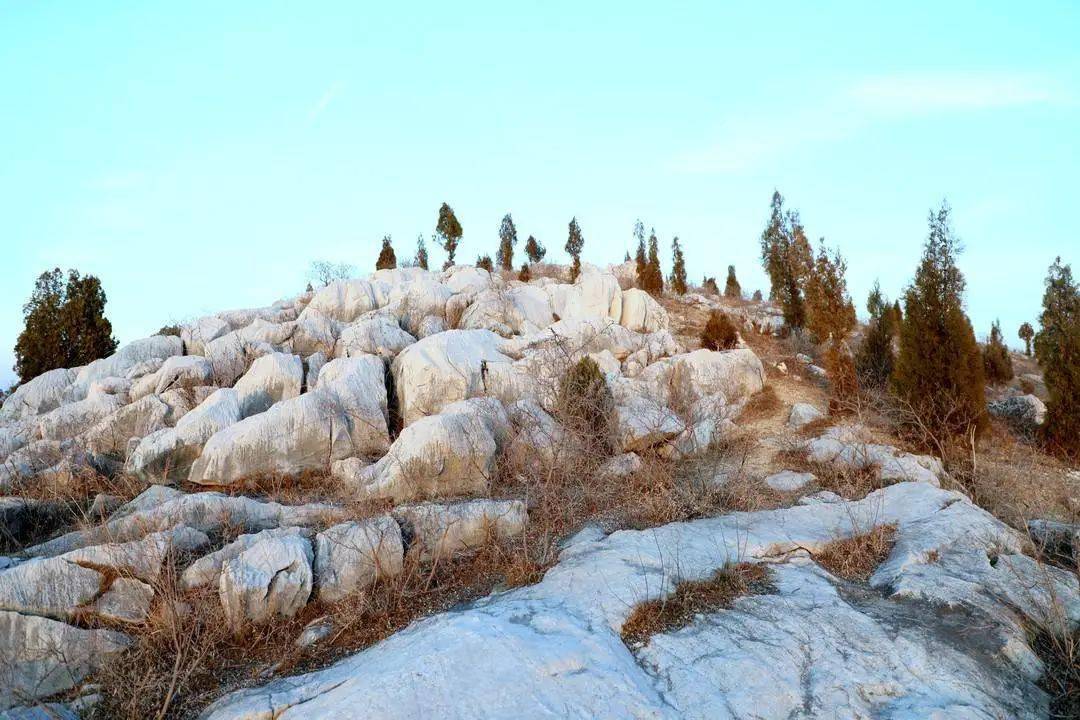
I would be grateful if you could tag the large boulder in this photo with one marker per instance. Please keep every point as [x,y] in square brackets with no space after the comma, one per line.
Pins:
[443,531]
[315,332]
[207,569]
[594,294]
[178,371]
[40,395]
[270,579]
[847,446]
[378,334]
[689,379]
[343,416]
[642,423]
[112,435]
[75,418]
[270,379]
[128,356]
[198,334]
[343,300]
[452,453]
[1026,412]
[641,313]
[520,310]
[351,556]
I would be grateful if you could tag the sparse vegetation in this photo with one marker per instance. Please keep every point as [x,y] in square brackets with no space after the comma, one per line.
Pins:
[387,260]
[448,233]
[857,557]
[997,365]
[1057,347]
[732,289]
[574,244]
[787,257]
[484,263]
[507,241]
[719,332]
[421,259]
[586,406]
[534,250]
[678,268]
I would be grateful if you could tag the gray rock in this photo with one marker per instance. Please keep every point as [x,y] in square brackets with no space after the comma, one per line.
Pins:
[803,413]
[272,578]
[315,631]
[207,569]
[621,466]
[1024,411]
[443,531]
[351,556]
[789,480]
[127,600]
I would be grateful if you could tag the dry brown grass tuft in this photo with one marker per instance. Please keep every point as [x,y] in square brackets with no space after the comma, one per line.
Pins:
[1060,653]
[762,404]
[857,557]
[692,597]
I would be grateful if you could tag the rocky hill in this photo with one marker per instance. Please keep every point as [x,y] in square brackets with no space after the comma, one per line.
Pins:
[405,495]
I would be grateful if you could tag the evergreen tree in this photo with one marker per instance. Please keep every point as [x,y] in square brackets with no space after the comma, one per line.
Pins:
[507,241]
[772,245]
[757,296]
[641,261]
[64,326]
[831,316]
[732,289]
[939,370]
[626,259]
[708,284]
[719,332]
[387,259]
[525,275]
[1026,333]
[654,273]
[997,365]
[534,250]
[448,233]
[875,359]
[678,268]
[1057,348]
[484,263]
[421,253]
[574,244]
[787,257]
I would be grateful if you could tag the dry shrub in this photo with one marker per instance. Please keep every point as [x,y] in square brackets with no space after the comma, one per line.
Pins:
[692,597]
[857,557]
[719,332]
[1060,653]
[585,405]
[763,404]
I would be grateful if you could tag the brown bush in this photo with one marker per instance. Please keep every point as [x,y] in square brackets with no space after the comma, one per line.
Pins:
[719,332]
[857,557]
[585,405]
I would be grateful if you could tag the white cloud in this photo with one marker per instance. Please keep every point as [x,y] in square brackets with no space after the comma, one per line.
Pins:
[917,94]
[324,102]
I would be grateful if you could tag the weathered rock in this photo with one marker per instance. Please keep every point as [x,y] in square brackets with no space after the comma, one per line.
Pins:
[443,531]
[343,300]
[207,569]
[272,578]
[40,657]
[641,313]
[843,445]
[179,371]
[1058,540]
[315,332]
[537,431]
[51,587]
[199,334]
[620,466]
[142,559]
[128,356]
[270,379]
[594,294]
[789,480]
[351,556]
[702,435]
[376,335]
[1024,411]
[75,418]
[521,309]
[40,395]
[112,435]
[691,377]
[643,423]
[431,325]
[803,413]
[127,600]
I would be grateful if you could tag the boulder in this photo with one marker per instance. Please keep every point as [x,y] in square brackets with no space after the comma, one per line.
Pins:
[537,431]
[199,334]
[126,601]
[314,364]
[270,579]
[594,294]
[343,301]
[789,480]
[315,332]
[207,569]
[143,558]
[344,415]
[466,279]
[112,435]
[128,356]
[521,310]
[75,418]
[431,325]
[51,587]
[270,379]
[179,371]
[689,378]
[43,657]
[845,445]
[376,335]
[642,423]
[17,435]
[1026,412]
[620,466]
[351,556]
[641,313]
[803,413]
[702,435]
[40,395]
[443,531]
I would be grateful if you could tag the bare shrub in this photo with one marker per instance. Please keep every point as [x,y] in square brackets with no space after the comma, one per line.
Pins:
[585,405]
[693,597]
[857,557]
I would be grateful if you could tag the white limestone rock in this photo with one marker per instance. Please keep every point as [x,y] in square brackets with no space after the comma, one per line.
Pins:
[127,600]
[641,313]
[351,556]
[40,395]
[343,300]
[443,531]
[270,579]
[207,569]
[537,431]
[198,334]
[789,480]
[128,356]
[844,445]
[375,335]
[270,379]
[1024,411]
[179,371]
[642,423]
[803,413]
[621,466]
[690,378]
[75,418]
[595,294]
[315,332]
[430,325]
[112,435]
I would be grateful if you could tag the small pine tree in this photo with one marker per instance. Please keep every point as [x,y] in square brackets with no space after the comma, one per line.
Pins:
[875,359]
[787,257]
[574,244]
[732,289]
[484,263]
[586,406]
[997,365]
[507,241]
[708,284]
[641,260]
[448,233]
[678,268]
[1026,333]
[421,253]
[654,273]
[387,259]
[939,370]
[831,316]
[757,296]
[534,250]
[626,258]
[309,289]
[1057,348]
[525,275]
[719,332]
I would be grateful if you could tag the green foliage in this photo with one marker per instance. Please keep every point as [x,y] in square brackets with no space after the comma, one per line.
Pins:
[732,289]
[939,370]
[641,260]
[757,296]
[484,262]
[169,330]
[708,284]
[507,241]
[997,365]
[787,257]
[1026,334]
[574,244]
[534,250]
[64,325]
[586,406]
[678,268]
[719,332]
[876,358]
[448,233]
[830,313]
[387,260]
[1057,348]
[654,275]
[421,253]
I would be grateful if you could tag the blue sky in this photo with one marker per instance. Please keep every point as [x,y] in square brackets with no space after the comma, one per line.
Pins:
[197,156]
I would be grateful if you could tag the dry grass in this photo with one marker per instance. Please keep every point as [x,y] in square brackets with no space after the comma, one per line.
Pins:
[693,597]
[1060,653]
[761,405]
[857,557]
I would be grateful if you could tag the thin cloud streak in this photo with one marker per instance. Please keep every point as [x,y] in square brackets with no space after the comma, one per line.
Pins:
[324,102]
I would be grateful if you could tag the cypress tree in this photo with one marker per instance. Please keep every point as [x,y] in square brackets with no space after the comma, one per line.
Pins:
[507,241]
[732,289]
[1057,348]
[997,365]
[831,316]
[525,275]
[939,370]
[875,359]
[387,260]
[534,250]
[787,258]
[574,244]
[678,268]
[448,233]
[655,274]
[709,286]
[484,263]
[641,262]
[421,252]
[1026,333]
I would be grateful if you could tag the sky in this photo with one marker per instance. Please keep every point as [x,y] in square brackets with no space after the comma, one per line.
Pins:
[198,156]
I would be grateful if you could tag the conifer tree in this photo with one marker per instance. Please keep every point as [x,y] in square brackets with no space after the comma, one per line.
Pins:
[997,365]
[87,332]
[421,253]
[708,284]
[574,244]
[448,233]
[875,359]
[641,261]
[525,275]
[939,370]
[831,316]
[1057,348]
[678,268]
[507,241]
[1026,333]
[787,257]
[654,273]
[534,250]
[757,296]
[484,263]
[387,260]
[732,289]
